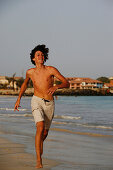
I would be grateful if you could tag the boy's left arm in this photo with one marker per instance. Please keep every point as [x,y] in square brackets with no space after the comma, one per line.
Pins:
[64,82]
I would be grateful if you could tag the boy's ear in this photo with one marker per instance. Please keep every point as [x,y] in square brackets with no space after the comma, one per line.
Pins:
[33,59]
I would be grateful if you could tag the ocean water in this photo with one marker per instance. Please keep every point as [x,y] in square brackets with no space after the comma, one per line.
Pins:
[92,114]
[85,114]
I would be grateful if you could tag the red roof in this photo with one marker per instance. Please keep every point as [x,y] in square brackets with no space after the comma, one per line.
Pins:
[108,84]
[80,80]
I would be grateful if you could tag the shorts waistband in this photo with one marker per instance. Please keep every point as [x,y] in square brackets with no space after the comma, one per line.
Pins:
[39,98]
[46,100]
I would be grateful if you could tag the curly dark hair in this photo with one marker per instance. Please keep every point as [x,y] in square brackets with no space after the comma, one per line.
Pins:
[41,48]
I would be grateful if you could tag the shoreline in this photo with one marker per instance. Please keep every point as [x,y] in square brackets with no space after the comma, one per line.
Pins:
[13,156]
[80,133]
[59,92]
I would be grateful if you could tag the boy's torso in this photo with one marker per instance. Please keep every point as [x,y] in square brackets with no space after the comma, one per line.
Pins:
[42,80]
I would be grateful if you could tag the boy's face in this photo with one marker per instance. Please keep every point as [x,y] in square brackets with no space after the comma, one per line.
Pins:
[39,57]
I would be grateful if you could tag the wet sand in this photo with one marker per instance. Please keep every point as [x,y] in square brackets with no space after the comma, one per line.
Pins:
[72,150]
[81,151]
[14,157]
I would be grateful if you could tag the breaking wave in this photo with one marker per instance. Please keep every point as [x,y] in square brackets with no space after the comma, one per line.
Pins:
[66,117]
[12,109]
[95,126]
[59,123]
[16,115]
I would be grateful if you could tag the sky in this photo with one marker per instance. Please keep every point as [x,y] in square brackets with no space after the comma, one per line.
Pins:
[78,33]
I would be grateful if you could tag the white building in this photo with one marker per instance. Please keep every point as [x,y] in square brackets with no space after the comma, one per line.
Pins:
[3,80]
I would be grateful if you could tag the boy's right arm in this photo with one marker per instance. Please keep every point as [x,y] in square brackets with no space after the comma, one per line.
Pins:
[22,90]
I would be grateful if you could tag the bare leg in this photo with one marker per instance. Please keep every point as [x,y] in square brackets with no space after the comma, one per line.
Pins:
[45,133]
[39,143]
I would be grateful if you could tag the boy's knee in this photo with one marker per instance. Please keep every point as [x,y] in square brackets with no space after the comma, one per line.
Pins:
[40,127]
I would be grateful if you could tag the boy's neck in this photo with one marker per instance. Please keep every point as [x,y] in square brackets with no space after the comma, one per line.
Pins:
[40,66]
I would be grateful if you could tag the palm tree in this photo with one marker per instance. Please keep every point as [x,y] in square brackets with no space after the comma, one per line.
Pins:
[19,82]
[11,79]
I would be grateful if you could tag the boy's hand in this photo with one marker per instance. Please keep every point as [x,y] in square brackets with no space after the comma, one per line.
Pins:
[52,90]
[17,105]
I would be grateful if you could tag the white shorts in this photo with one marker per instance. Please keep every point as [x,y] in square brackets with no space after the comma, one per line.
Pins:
[42,110]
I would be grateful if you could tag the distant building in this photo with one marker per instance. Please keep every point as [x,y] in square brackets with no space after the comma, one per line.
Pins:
[111,80]
[108,86]
[84,83]
[4,81]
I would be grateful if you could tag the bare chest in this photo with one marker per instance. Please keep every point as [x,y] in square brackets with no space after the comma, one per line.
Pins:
[41,78]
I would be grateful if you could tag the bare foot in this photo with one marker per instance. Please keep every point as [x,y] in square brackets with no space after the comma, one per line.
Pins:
[39,164]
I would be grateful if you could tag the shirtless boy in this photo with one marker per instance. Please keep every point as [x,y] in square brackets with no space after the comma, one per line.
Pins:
[42,102]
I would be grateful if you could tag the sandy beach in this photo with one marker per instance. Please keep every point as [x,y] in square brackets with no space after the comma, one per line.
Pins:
[89,153]
[14,157]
